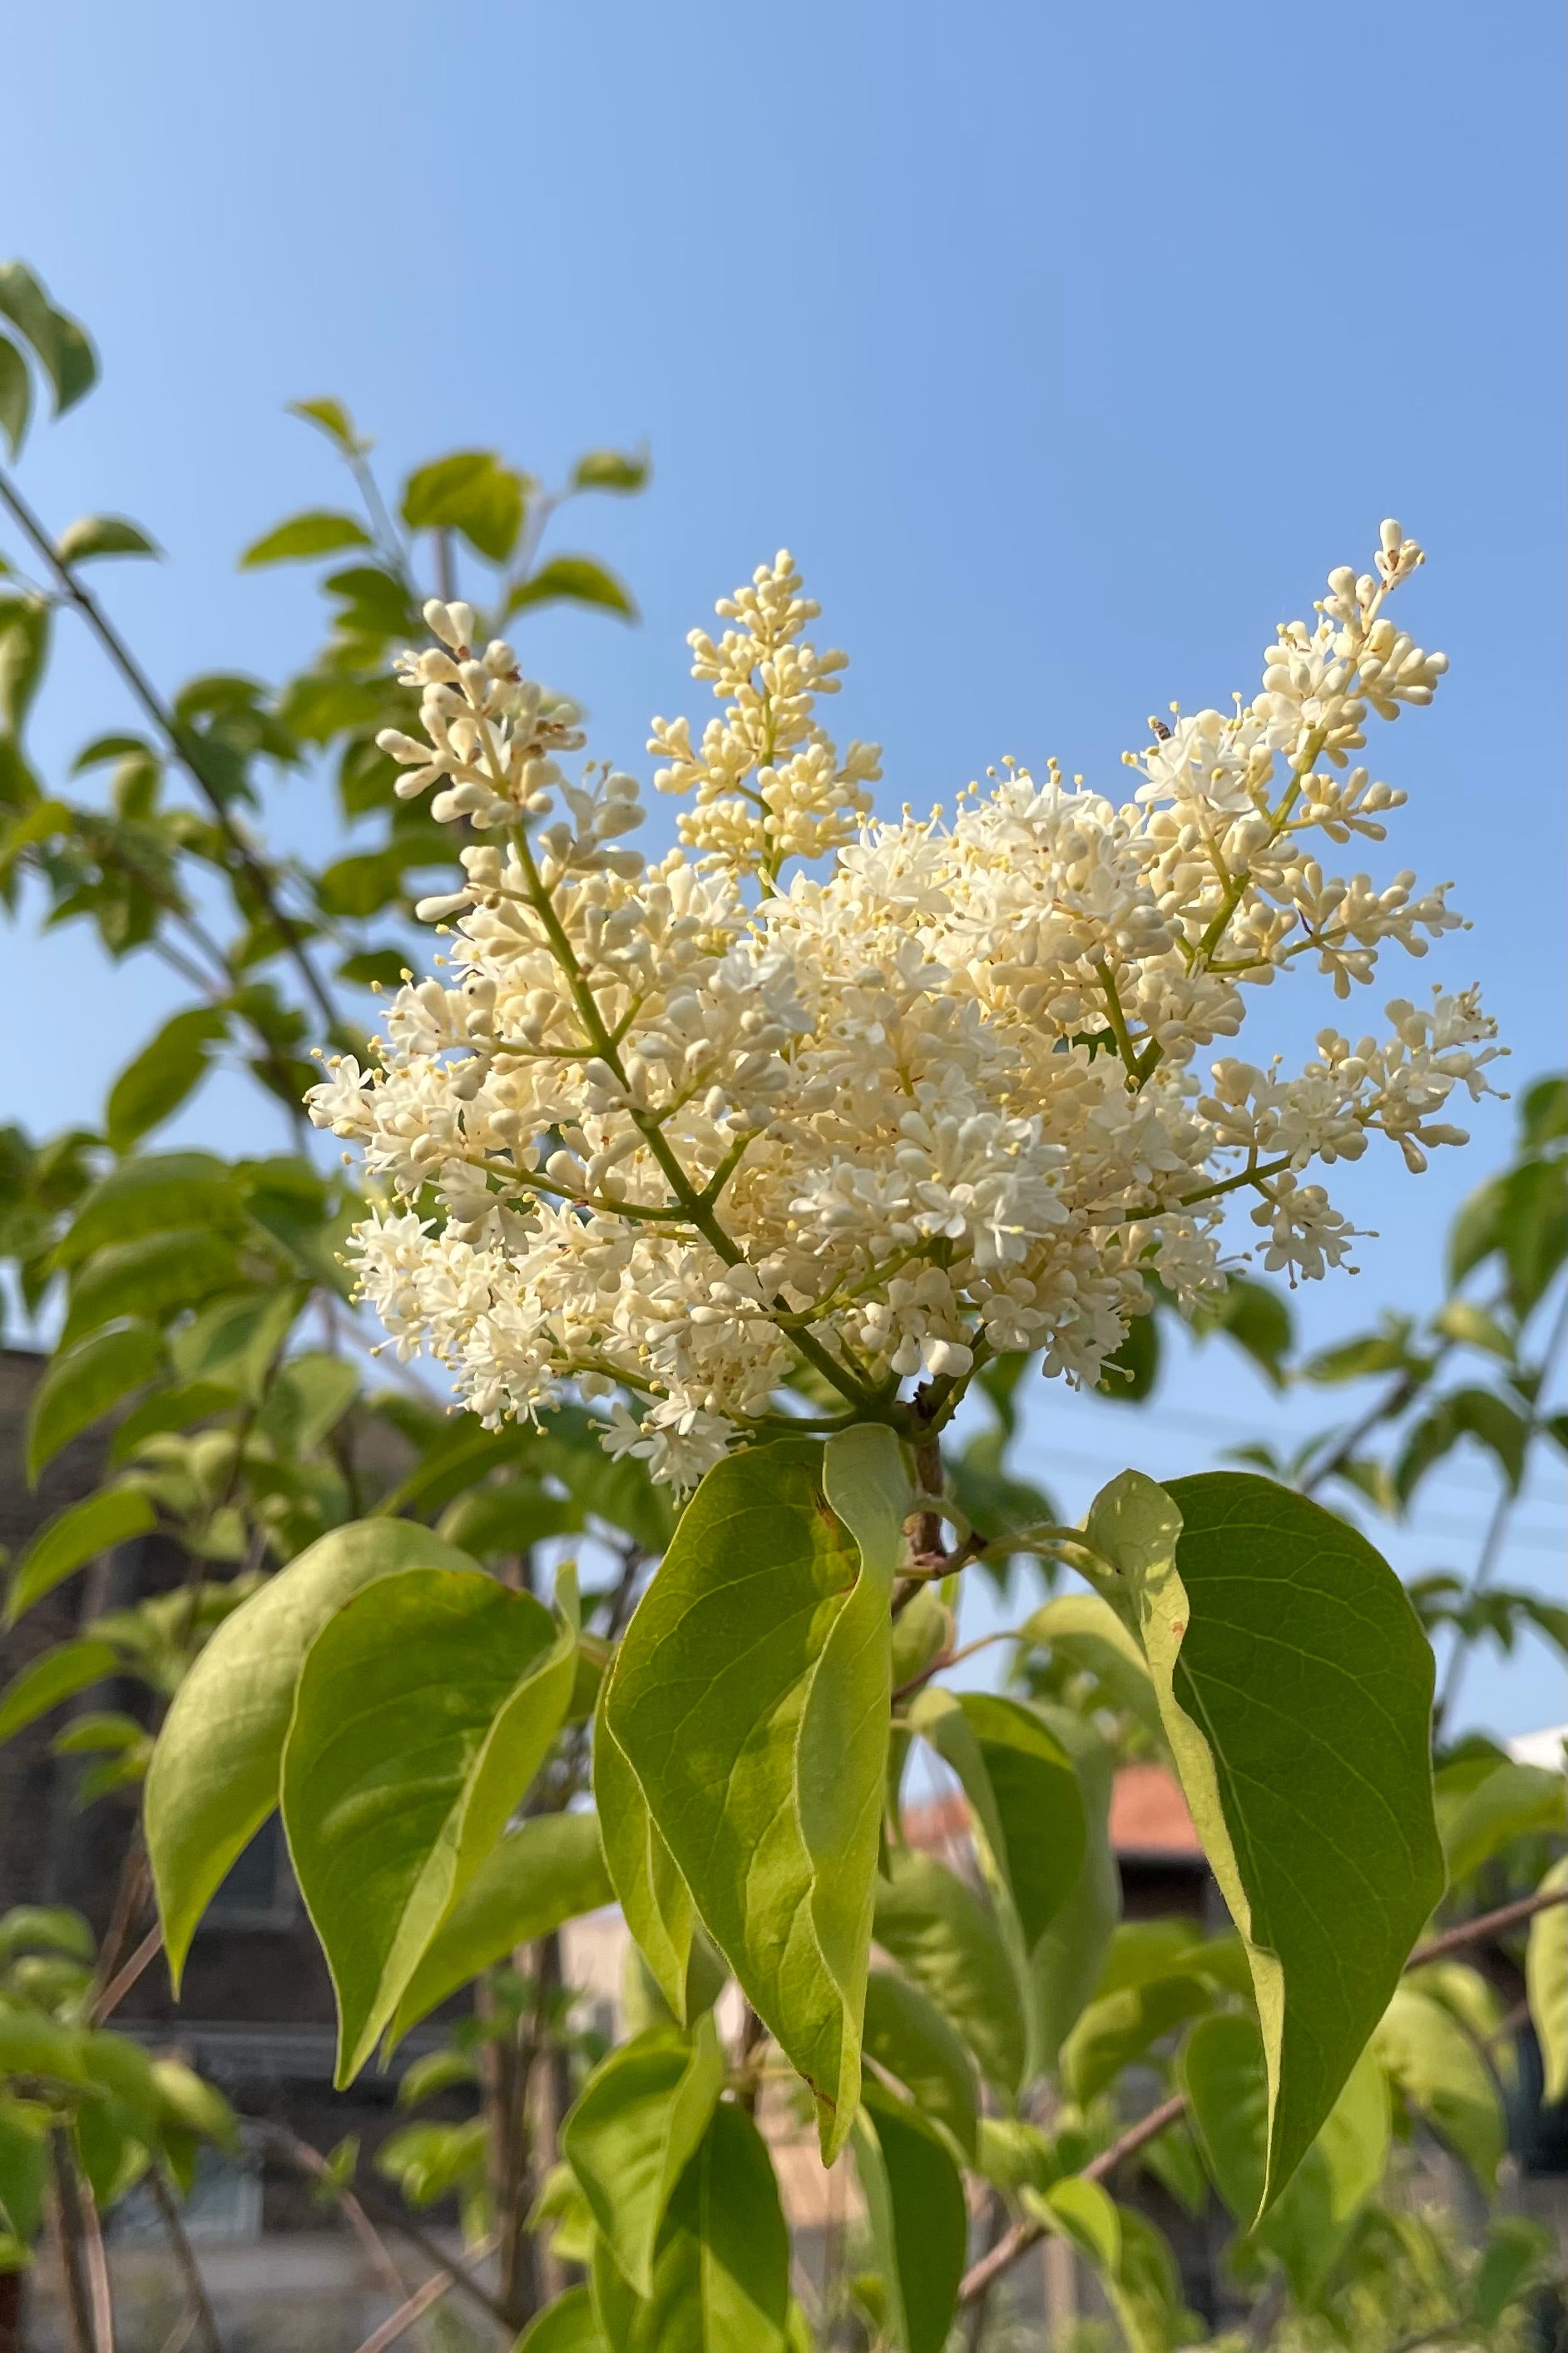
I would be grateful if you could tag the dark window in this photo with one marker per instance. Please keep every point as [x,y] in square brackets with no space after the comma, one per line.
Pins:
[258,1892]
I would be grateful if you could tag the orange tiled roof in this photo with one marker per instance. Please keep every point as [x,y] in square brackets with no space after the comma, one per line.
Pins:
[1149,1817]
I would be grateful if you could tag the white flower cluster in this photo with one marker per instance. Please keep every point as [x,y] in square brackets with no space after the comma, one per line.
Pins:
[693,1134]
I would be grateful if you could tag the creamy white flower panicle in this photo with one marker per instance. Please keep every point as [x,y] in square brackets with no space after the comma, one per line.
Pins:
[685,1135]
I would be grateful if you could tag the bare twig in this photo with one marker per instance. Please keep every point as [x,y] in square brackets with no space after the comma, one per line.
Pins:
[415,2307]
[506,2066]
[190,2271]
[96,2264]
[1135,2137]
[129,1896]
[435,2254]
[119,1986]
[1387,1408]
[311,2163]
[71,2229]
[180,2336]
[1485,1925]
[977,2280]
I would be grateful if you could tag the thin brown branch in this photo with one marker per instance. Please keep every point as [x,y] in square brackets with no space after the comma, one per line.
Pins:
[415,2307]
[313,2165]
[1135,2137]
[129,1896]
[185,2261]
[119,1986]
[70,2229]
[179,740]
[388,2214]
[978,2279]
[99,2292]
[1023,2235]
[1485,1925]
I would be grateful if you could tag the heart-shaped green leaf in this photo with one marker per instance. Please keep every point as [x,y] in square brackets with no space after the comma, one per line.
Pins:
[215,1773]
[386,1830]
[1295,1684]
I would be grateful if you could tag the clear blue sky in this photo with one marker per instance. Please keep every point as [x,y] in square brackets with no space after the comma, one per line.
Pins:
[1068,348]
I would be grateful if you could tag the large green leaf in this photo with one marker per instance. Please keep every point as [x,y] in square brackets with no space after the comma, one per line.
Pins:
[547,1870]
[750,1699]
[1066,1963]
[906,2033]
[71,1538]
[1295,1684]
[424,1707]
[1442,2074]
[214,1774]
[1025,1810]
[919,2225]
[635,2128]
[720,2275]
[1546,1984]
[944,1937]
[1226,2081]
[1508,1804]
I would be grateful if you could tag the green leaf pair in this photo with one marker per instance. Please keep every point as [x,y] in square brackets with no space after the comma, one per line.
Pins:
[399,1702]
[56,340]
